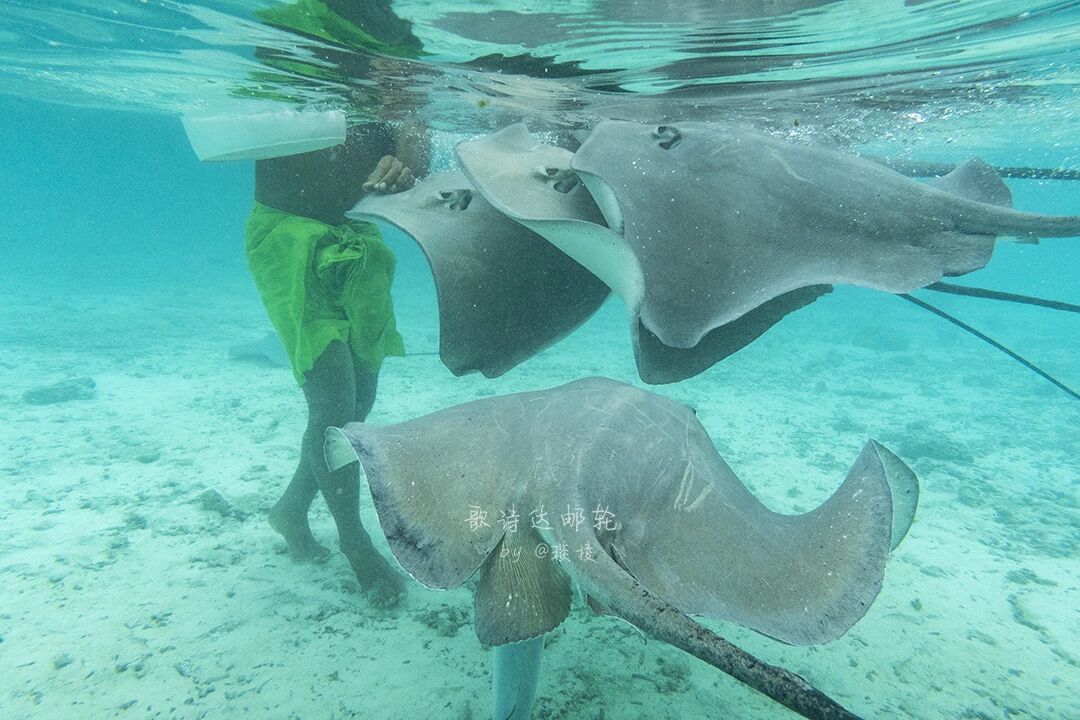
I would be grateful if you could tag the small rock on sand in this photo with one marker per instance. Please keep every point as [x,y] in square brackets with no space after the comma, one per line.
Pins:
[214,501]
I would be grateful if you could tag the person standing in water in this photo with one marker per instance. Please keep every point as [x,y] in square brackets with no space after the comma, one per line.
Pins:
[326,286]
[325,282]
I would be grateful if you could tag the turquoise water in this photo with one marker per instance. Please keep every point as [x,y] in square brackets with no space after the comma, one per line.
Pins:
[124,595]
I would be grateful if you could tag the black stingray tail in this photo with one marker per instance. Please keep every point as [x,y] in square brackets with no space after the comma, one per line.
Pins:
[989,340]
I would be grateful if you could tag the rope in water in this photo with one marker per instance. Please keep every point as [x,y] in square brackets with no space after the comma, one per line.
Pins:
[969,291]
[993,343]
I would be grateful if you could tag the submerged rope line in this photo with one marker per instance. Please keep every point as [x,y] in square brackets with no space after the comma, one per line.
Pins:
[969,291]
[992,342]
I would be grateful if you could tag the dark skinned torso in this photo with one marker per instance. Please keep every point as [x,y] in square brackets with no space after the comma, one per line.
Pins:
[323,184]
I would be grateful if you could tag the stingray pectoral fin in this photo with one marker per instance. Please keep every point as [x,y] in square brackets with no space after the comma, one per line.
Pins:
[522,593]
[600,251]
[438,484]
[658,363]
[713,549]
[337,450]
[903,487]
[638,605]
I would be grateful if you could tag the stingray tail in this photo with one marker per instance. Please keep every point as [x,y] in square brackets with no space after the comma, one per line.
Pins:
[985,219]
[915,168]
[992,342]
[986,208]
[632,602]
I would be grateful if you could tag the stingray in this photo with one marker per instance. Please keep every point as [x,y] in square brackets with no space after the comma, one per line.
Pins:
[504,293]
[713,233]
[654,524]
[532,182]
[722,219]
[267,350]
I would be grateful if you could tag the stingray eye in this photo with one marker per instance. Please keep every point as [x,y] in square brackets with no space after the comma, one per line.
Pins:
[551,172]
[446,194]
[668,136]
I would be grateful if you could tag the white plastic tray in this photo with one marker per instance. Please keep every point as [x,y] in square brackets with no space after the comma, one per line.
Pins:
[261,135]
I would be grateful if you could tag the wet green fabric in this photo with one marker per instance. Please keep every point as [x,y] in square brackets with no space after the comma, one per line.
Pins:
[386,34]
[375,30]
[322,283]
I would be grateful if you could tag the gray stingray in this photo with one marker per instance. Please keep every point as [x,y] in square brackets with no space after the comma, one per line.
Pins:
[707,225]
[532,182]
[671,529]
[504,293]
[267,350]
[721,219]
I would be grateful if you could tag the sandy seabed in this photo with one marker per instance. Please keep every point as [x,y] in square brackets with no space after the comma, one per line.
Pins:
[124,595]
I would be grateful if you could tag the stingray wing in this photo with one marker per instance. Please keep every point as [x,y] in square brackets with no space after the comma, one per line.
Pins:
[505,294]
[702,541]
[658,363]
[445,487]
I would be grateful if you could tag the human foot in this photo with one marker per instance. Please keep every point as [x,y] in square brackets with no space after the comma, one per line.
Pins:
[382,585]
[297,533]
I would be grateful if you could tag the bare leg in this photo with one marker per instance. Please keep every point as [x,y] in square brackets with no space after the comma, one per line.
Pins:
[385,586]
[289,516]
[331,395]
[515,672]
[366,385]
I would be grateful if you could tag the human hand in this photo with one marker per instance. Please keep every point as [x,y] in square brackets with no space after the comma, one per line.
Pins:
[389,176]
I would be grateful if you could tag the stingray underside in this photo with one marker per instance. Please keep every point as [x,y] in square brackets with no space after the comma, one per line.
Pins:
[446,488]
[681,523]
[504,293]
[688,530]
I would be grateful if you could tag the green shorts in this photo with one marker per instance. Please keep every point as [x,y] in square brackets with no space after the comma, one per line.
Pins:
[322,283]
